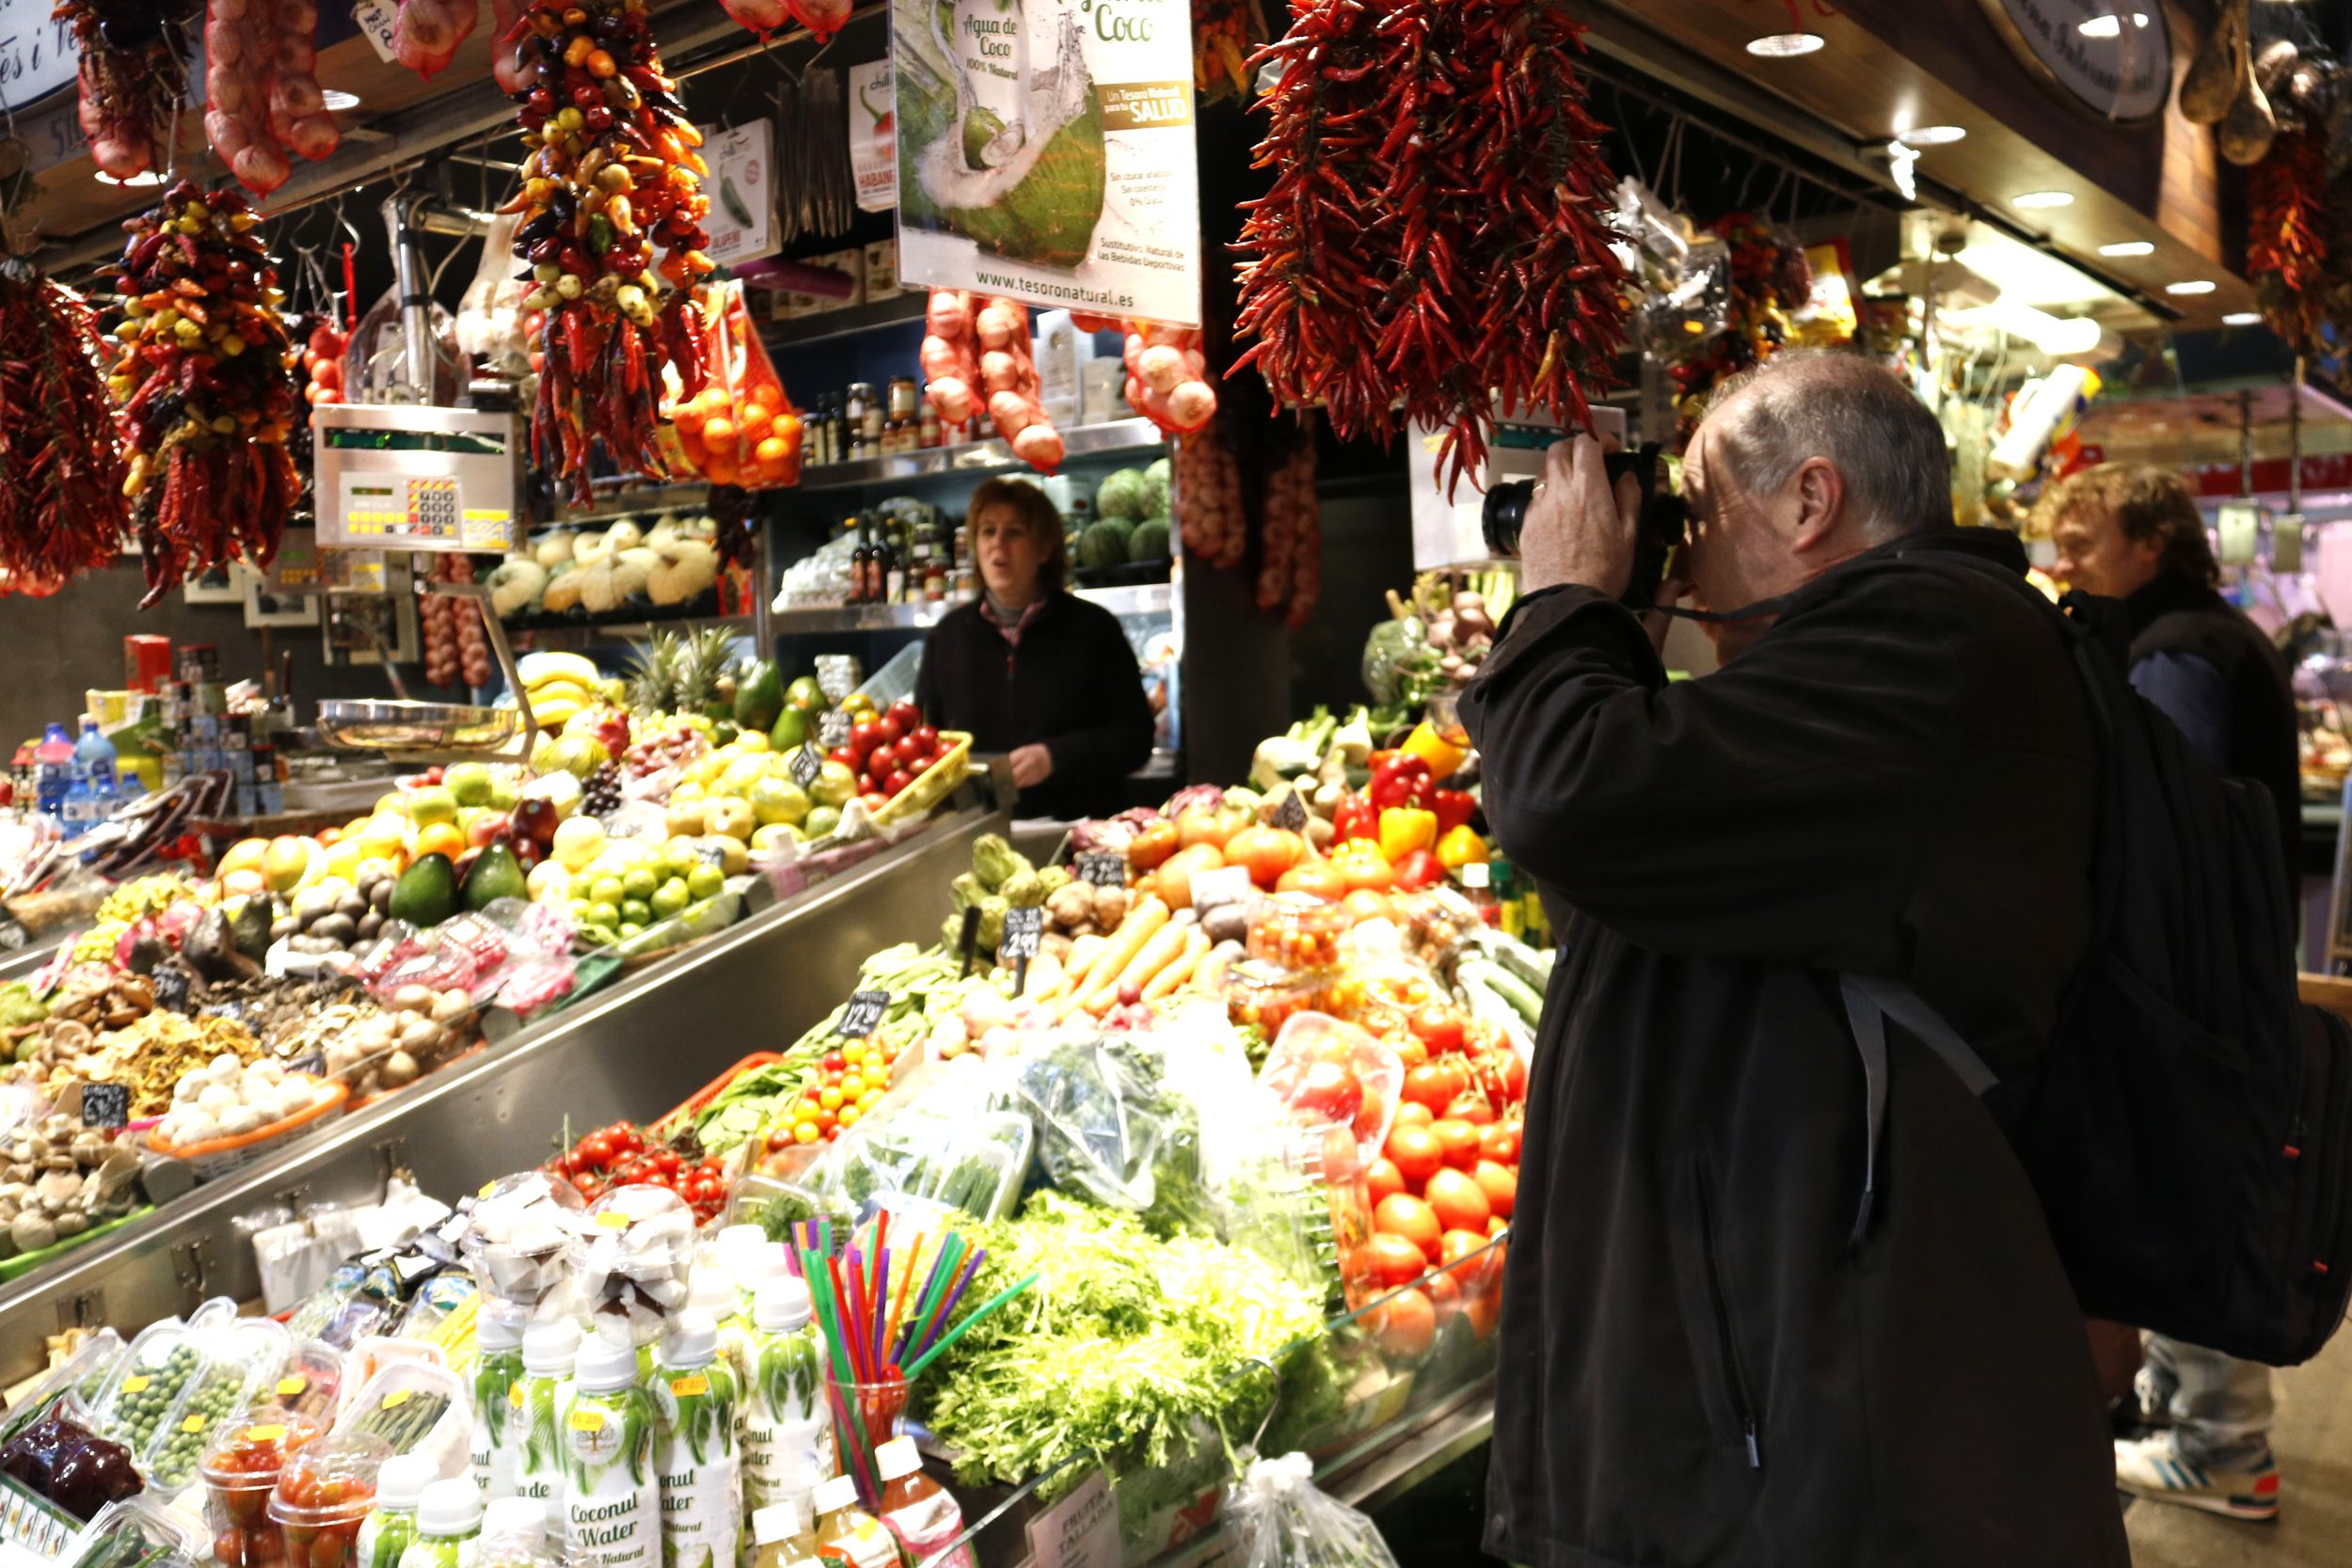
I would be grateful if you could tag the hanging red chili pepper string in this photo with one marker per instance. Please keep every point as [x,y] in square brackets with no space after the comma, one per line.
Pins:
[2286,239]
[61,505]
[1435,247]
[613,172]
[206,387]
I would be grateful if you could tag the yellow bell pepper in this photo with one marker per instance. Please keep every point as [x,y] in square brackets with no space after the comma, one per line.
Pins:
[1461,848]
[1441,754]
[1405,828]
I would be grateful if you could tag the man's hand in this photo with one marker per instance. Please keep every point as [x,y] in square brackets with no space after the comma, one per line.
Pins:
[1031,765]
[1577,530]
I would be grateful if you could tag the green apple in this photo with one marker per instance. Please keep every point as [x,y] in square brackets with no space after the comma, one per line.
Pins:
[607,890]
[703,882]
[640,884]
[635,911]
[469,781]
[670,897]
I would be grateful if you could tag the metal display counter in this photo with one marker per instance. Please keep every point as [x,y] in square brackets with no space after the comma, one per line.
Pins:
[631,1052]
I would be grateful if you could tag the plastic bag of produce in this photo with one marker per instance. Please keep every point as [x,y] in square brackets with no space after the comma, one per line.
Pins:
[742,427]
[1110,1127]
[1327,1074]
[972,1162]
[1282,1520]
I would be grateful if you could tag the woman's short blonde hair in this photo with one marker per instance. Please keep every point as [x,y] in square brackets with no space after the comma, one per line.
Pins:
[1037,514]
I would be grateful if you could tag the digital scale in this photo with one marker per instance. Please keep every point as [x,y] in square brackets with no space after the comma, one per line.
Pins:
[404,477]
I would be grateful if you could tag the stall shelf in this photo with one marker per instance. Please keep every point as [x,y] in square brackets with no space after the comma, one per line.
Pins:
[648,1040]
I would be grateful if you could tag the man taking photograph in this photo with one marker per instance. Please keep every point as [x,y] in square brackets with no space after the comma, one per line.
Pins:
[1768,1303]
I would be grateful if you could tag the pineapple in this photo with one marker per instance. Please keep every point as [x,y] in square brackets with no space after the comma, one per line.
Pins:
[653,677]
[706,675]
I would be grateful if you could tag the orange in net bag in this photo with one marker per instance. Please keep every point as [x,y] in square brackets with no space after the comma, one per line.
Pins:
[742,427]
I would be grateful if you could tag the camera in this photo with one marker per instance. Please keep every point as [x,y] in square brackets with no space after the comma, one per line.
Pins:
[1663,524]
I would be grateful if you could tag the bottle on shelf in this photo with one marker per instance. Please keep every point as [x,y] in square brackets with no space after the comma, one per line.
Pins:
[862,422]
[859,556]
[846,1534]
[53,770]
[923,1514]
[927,427]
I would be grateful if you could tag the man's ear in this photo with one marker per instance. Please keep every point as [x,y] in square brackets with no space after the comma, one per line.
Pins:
[1820,493]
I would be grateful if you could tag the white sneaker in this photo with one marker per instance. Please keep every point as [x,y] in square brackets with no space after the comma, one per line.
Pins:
[2149,1468]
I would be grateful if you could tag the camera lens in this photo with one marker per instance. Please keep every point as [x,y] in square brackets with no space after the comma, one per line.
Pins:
[1503,514]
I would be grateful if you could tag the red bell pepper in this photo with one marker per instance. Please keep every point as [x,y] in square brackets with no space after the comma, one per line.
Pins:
[1419,869]
[1402,780]
[1454,809]
[1355,817]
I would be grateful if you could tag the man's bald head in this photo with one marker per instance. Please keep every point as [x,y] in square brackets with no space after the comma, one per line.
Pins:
[1884,443]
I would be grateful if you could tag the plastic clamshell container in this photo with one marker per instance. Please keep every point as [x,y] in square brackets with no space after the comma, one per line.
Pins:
[240,1470]
[1260,993]
[414,1408]
[89,1367]
[975,1164]
[243,1361]
[136,1532]
[310,1383]
[322,1494]
[166,1356]
[1294,931]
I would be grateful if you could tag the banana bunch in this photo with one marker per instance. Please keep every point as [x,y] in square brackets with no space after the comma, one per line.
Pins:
[557,686]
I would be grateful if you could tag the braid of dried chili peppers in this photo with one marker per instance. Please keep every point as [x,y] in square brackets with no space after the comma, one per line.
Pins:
[2286,246]
[61,505]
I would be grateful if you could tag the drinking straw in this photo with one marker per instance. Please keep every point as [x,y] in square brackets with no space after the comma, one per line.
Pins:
[990,1304]
[840,1298]
[826,1315]
[880,1306]
[906,1275]
[860,1460]
[942,1273]
[939,1319]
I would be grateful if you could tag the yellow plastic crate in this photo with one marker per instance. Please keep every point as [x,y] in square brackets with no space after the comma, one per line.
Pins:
[932,784]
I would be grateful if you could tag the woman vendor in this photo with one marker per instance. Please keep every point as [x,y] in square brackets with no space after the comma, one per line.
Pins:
[1032,670]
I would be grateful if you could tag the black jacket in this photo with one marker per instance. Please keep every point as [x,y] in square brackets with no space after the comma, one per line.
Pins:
[1696,1368]
[1073,686]
[2176,615]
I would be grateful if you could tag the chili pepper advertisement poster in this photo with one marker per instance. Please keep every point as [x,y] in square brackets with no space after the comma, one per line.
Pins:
[1045,153]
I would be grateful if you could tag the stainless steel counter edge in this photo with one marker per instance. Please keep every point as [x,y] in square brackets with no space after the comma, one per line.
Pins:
[633,1052]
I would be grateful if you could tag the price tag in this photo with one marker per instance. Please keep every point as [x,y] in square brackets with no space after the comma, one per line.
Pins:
[269,1434]
[487,1189]
[971,936]
[1291,816]
[292,1385]
[1103,870]
[394,1399]
[864,1015]
[193,1425]
[1023,929]
[586,1420]
[685,1388]
[137,1385]
[833,728]
[805,766]
[515,1395]
[13,936]
[1079,1532]
[1228,884]
[105,1105]
[612,1219]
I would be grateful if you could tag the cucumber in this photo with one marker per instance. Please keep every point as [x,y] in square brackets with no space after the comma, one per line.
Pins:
[1526,1002]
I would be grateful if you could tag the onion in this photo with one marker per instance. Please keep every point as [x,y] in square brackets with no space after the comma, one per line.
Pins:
[1012,413]
[1192,404]
[952,398]
[1001,371]
[1040,445]
[949,314]
[999,324]
[1161,368]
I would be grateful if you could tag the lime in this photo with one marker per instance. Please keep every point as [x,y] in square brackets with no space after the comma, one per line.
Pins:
[670,897]
[579,908]
[607,890]
[640,882]
[603,912]
[705,881]
[635,911]
[630,928]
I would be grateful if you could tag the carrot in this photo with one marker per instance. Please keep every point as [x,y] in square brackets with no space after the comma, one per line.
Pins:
[1045,977]
[1083,952]
[1181,968]
[1154,956]
[1209,974]
[1146,920]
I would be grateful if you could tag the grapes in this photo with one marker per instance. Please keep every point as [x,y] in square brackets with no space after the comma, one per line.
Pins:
[602,794]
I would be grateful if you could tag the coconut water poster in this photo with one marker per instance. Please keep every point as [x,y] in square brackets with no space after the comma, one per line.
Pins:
[1045,153]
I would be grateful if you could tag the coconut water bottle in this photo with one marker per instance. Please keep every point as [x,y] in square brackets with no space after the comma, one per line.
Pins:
[992,50]
[612,1500]
[533,1404]
[694,1403]
[786,1439]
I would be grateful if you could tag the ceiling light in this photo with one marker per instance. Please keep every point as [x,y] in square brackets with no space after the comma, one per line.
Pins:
[146,177]
[1786,46]
[2032,199]
[2129,247]
[2243,318]
[1932,136]
[335,98]
[2192,286]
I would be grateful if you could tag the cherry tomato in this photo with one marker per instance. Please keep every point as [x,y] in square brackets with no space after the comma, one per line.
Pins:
[1435,1084]
[926,738]
[910,718]
[1392,1261]
[863,737]
[1472,1107]
[846,758]
[1437,1027]
[891,728]
[1402,1214]
[1383,1178]
[1457,1200]
[1415,1151]
[1406,1326]
[595,1148]
[899,782]
[1329,1092]
[1499,1144]
[1500,1183]
[1412,1113]
[1459,1139]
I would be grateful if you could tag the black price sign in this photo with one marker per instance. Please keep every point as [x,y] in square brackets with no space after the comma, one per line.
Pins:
[1103,870]
[1291,816]
[314,1063]
[106,1106]
[13,936]
[1023,928]
[832,729]
[863,1014]
[805,766]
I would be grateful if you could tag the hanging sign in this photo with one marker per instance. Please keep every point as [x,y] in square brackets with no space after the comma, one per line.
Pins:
[1045,153]
[873,137]
[742,186]
[37,53]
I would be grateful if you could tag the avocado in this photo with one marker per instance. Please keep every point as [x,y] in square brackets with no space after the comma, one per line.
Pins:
[805,696]
[426,894]
[791,729]
[495,874]
[248,927]
[760,697]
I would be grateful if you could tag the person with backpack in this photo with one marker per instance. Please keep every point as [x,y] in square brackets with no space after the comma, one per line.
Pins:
[1779,1290]
[2132,531]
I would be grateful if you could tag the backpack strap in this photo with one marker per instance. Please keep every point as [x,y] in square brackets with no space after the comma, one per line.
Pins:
[1869,1003]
